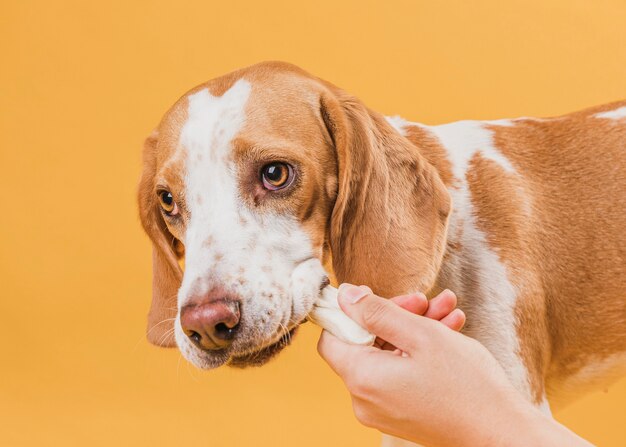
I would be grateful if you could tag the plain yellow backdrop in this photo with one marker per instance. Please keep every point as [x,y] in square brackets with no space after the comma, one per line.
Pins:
[82,83]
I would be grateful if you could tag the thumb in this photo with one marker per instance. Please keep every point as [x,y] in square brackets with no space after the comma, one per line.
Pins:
[381,317]
[341,357]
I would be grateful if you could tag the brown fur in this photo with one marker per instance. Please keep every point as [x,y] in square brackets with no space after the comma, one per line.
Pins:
[559,225]
[572,249]
[374,241]
[166,273]
[376,207]
[386,170]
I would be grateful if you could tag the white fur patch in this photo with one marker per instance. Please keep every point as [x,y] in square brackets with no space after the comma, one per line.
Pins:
[265,260]
[211,189]
[399,123]
[498,296]
[463,139]
[613,365]
[597,374]
[496,311]
[617,114]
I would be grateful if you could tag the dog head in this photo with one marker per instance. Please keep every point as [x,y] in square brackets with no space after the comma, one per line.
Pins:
[250,183]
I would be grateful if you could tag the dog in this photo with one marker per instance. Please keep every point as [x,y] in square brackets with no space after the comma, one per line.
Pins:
[266,180]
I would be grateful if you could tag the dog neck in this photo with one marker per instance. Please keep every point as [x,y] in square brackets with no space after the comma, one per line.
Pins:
[453,268]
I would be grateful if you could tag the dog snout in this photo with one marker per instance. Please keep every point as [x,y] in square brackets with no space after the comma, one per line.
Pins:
[211,325]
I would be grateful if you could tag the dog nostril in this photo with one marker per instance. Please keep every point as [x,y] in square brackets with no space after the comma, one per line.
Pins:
[224,332]
[211,325]
[195,336]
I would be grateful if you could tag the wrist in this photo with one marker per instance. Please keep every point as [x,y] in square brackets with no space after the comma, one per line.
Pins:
[507,420]
[529,426]
[548,431]
[512,421]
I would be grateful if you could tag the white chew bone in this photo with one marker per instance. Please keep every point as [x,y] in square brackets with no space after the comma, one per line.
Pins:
[327,314]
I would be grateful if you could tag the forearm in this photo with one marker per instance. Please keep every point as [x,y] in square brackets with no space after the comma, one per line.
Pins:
[529,426]
[445,389]
[545,431]
[510,422]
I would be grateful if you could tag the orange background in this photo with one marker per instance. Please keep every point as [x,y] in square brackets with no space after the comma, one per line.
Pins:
[83,83]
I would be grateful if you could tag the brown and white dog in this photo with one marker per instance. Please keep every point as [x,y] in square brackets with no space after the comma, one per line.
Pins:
[260,178]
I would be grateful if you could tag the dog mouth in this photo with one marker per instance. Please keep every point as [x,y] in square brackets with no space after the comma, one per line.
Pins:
[254,351]
[261,356]
[264,354]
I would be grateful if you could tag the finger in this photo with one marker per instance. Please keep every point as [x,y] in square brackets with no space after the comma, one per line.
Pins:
[340,356]
[366,287]
[380,316]
[416,303]
[441,305]
[455,320]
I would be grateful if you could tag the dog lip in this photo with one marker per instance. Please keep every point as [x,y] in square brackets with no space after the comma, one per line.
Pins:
[259,355]
[262,355]
[285,335]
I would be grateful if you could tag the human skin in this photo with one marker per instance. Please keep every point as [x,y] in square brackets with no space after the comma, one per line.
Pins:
[426,382]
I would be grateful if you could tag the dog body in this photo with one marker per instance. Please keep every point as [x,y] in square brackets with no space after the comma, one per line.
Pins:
[537,242]
[524,219]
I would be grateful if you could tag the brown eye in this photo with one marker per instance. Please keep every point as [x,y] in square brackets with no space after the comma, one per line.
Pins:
[277,176]
[167,203]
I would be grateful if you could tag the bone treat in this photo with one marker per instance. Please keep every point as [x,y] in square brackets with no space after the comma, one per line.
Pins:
[327,314]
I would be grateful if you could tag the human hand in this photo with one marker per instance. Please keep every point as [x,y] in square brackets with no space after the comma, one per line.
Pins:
[441,308]
[429,384]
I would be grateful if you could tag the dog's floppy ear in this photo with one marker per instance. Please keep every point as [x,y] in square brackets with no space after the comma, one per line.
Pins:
[166,272]
[389,223]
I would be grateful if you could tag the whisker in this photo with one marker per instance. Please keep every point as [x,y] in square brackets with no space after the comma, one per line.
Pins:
[159,323]
[165,335]
[149,331]
[191,374]
[286,335]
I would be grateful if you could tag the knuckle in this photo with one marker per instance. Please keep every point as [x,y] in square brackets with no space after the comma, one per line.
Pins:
[354,385]
[362,415]
[359,384]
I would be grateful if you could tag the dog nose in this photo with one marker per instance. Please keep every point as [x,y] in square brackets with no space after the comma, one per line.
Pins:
[211,325]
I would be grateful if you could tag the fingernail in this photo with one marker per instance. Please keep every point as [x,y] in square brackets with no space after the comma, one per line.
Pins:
[352,293]
[421,295]
[366,288]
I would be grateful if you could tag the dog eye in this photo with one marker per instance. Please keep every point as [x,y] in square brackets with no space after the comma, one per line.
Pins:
[277,176]
[167,203]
